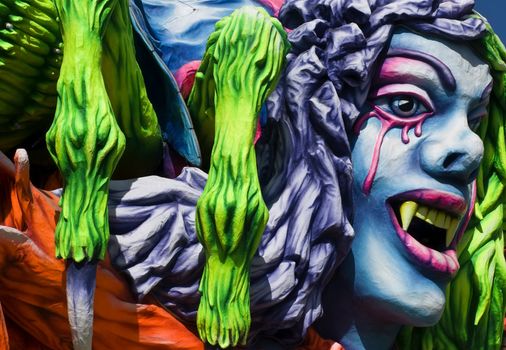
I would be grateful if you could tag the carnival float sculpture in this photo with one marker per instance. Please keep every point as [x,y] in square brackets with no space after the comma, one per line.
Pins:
[265,175]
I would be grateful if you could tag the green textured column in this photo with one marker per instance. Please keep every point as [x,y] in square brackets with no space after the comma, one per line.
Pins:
[243,60]
[127,92]
[84,140]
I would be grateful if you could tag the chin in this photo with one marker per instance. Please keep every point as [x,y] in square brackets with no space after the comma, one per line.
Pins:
[399,289]
[422,306]
[426,310]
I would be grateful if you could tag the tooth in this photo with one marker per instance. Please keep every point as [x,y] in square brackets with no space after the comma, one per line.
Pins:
[440,219]
[448,221]
[422,212]
[408,210]
[450,232]
[431,216]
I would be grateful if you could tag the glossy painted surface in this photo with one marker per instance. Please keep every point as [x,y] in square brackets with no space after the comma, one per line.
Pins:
[182,27]
[414,143]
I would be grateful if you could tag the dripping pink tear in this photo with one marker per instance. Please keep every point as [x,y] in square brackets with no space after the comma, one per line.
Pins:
[388,122]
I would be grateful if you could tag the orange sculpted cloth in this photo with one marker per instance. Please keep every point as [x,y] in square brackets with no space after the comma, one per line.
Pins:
[32,281]
[32,284]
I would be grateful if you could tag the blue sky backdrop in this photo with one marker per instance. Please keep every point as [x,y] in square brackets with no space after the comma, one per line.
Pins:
[495,11]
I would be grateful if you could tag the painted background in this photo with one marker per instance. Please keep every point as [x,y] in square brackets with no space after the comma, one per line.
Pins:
[495,11]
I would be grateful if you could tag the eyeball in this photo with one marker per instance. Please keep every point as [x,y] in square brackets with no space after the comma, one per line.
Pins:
[406,106]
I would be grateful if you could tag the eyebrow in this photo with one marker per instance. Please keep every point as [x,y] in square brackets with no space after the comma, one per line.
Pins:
[444,73]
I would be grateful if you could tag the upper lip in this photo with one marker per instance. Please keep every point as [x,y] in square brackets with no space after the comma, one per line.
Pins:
[442,200]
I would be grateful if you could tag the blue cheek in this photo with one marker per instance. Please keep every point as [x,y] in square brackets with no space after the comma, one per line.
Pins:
[362,147]
[388,123]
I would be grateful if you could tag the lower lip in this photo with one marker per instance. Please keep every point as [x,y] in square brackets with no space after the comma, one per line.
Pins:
[443,262]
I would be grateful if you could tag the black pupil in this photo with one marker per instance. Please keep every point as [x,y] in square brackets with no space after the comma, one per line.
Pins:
[406,104]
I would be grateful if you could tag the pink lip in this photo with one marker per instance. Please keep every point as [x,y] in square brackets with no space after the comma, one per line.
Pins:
[443,262]
[446,201]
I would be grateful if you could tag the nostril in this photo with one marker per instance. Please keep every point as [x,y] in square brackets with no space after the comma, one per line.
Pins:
[461,164]
[450,159]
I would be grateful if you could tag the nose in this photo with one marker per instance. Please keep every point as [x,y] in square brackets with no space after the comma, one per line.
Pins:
[455,157]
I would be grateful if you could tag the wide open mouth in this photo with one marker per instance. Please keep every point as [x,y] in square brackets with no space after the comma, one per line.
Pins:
[434,228]
[427,223]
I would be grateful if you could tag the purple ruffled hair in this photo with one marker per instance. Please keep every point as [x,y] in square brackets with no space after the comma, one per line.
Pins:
[304,166]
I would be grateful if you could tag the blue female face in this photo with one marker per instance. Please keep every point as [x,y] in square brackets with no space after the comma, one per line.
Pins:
[415,157]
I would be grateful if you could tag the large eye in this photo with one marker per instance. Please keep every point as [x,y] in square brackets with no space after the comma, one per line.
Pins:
[406,106]
[402,101]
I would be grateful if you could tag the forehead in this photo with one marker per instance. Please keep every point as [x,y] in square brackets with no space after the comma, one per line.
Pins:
[471,73]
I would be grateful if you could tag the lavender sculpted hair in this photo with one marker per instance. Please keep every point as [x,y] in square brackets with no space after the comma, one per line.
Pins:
[304,166]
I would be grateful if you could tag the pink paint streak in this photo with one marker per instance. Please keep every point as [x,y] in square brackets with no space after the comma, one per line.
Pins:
[185,77]
[388,122]
[394,72]
[258,133]
[274,5]
[468,217]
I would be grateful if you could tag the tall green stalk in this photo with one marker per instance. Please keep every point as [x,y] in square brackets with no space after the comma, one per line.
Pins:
[241,66]
[84,140]
[125,87]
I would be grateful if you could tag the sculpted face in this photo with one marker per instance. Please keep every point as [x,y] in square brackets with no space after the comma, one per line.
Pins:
[415,158]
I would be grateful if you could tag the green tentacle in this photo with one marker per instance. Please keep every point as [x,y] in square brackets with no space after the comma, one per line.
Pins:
[84,140]
[241,66]
[103,109]
[129,100]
